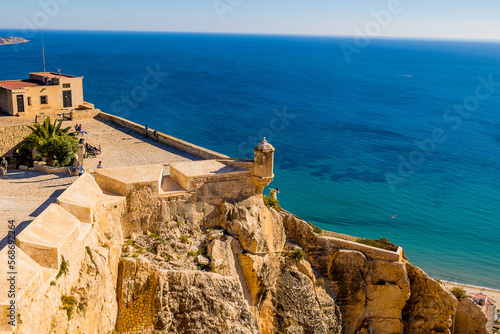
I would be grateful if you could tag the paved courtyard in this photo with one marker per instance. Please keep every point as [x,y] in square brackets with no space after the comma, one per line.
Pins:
[24,194]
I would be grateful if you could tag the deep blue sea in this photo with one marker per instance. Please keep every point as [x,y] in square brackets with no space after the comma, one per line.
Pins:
[408,127]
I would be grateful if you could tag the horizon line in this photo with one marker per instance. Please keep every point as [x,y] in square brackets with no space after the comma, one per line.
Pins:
[428,38]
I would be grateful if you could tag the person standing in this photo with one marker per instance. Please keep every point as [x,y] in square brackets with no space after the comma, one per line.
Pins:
[80,169]
[146,134]
[100,165]
[4,164]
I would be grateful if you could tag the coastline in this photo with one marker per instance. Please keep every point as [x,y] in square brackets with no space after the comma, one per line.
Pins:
[12,40]
[469,288]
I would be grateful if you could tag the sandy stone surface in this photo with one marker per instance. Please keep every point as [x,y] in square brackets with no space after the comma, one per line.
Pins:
[124,147]
[25,194]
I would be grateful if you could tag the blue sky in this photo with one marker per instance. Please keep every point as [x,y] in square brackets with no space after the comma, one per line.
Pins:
[406,18]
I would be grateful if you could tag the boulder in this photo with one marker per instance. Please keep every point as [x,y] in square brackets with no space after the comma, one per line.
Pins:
[285,299]
[259,230]
[430,307]
[371,293]
[469,318]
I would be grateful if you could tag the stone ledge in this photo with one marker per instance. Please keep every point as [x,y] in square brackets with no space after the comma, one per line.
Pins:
[122,180]
[81,198]
[368,251]
[42,167]
[45,239]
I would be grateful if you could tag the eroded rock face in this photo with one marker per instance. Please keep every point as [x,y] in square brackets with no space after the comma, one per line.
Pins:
[371,293]
[167,301]
[469,318]
[94,306]
[258,228]
[285,298]
[430,307]
[331,290]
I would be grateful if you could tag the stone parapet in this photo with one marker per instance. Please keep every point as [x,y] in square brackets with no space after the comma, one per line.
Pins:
[301,232]
[164,138]
[191,175]
[122,180]
[47,238]
[81,198]
[86,112]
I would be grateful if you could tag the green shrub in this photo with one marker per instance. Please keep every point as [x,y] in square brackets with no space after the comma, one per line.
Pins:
[271,203]
[63,268]
[380,243]
[68,303]
[134,255]
[192,253]
[459,293]
[320,282]
[89,252]
[317,230]
[298,255]
[203,250]
[63,148]
[184,239]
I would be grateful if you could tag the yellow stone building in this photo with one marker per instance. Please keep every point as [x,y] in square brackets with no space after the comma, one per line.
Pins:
[42,91]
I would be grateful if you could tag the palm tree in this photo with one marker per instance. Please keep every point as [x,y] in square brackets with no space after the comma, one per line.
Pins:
[42,135]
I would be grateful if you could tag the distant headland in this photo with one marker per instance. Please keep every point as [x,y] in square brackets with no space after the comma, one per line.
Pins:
[12,40]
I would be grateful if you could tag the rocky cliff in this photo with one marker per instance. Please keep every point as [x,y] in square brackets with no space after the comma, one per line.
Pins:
[213,261]
[200,264]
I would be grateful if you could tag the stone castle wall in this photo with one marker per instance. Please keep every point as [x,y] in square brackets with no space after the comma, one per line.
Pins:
[301,232]
[78,293]
[11,136]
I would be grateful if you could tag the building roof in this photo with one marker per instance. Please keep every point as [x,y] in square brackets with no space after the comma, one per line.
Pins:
[17,84]
[480,296]
[264,146]
[53,75]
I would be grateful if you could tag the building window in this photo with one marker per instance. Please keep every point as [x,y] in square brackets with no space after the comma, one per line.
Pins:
[29,100]
[43,99]
[66,85]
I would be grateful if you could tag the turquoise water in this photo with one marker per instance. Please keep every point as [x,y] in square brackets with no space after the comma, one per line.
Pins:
[341,130]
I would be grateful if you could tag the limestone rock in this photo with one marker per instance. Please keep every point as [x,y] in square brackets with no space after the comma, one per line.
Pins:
[430,307]
[371,294]
[203,260]
[199,302]
[469,318]
[215,234]
[259,230]
[285,299]
[223,258]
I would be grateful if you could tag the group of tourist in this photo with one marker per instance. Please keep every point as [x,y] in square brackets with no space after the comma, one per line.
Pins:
[78,129]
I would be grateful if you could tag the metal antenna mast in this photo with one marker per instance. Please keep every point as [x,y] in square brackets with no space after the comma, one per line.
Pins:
[43,52]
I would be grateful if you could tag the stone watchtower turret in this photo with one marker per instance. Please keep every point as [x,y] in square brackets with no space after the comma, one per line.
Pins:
[263,165]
